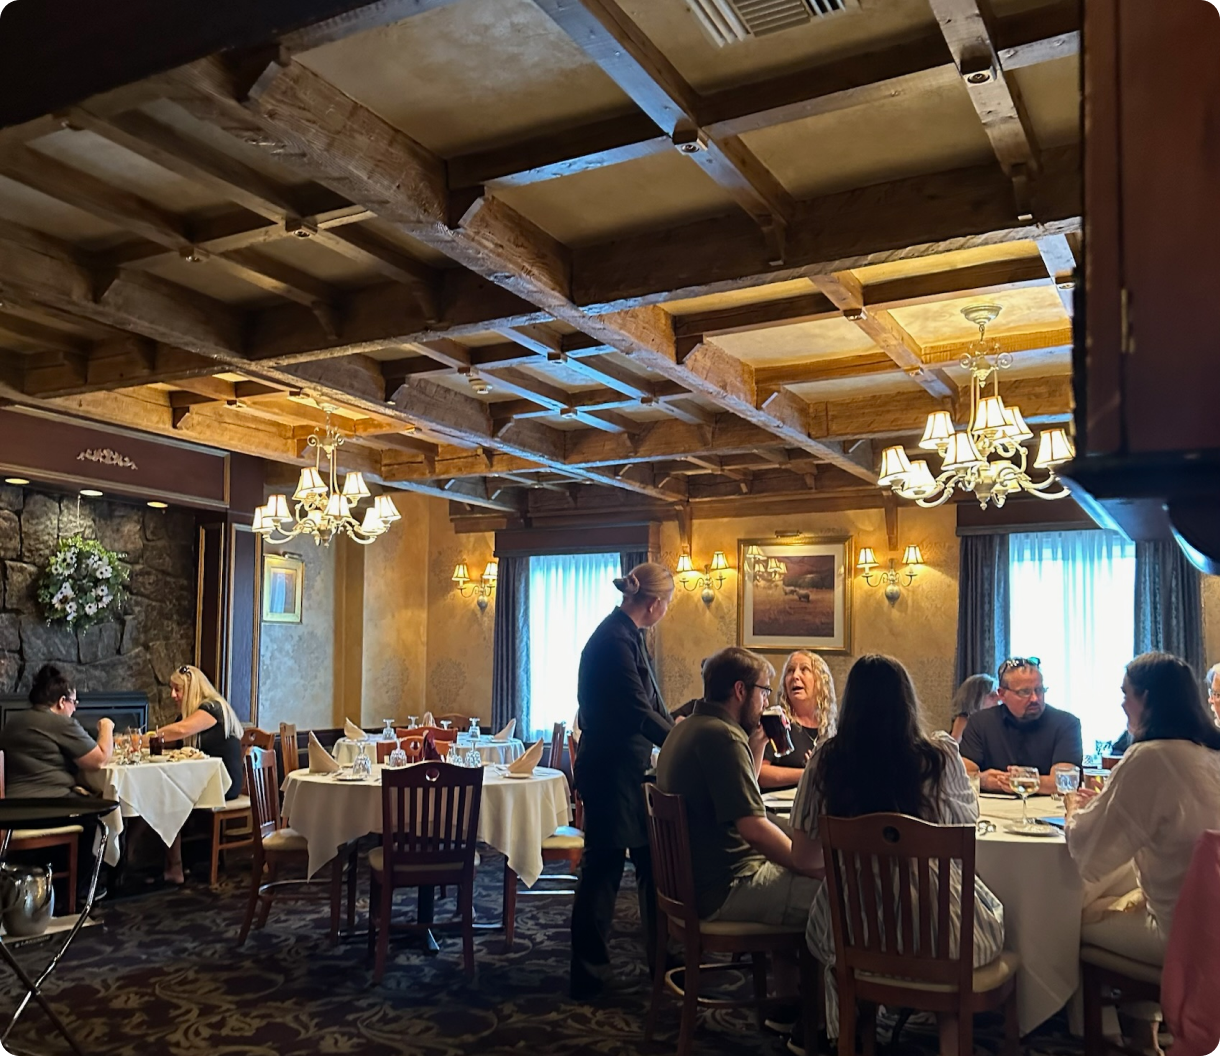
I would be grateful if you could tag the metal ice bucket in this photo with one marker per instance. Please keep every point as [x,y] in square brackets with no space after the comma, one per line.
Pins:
[27,899]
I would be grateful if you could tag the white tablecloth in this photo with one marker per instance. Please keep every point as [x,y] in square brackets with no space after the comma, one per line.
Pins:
[163,794]
[515,816]
[498,751]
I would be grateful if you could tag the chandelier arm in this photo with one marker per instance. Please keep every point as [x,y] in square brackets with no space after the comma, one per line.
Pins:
[929,504]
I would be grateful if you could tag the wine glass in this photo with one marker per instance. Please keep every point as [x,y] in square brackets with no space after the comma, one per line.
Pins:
[387,732]
[474,728]
[412,722]
[1023,780]
[397,758]
[445,724]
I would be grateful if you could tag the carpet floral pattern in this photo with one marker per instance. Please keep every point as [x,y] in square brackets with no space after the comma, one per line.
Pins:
[163,976]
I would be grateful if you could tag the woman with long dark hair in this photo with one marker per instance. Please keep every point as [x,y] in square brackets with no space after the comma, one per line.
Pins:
[882,761]
[1162,795]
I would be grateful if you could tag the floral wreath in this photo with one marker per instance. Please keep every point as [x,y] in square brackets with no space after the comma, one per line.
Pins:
[83,583]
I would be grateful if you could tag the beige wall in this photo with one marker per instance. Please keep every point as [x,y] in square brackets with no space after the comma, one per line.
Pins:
[920,628]
[1211,619]
[459,635]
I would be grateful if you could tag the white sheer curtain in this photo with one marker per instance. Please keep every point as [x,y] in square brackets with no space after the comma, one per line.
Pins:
[569,596]
[1073,605]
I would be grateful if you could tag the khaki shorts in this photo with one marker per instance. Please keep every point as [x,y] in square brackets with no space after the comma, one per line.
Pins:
[772,895]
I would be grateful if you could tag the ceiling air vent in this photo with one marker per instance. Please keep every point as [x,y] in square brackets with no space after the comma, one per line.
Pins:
[729,21]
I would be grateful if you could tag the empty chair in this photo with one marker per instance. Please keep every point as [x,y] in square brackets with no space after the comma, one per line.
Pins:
[430,818]
[232,826]
[290,753]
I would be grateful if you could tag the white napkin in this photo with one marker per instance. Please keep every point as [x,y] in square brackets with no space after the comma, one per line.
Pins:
[507,732]
[351,730]
[527,762]
[320,760]
[428,720]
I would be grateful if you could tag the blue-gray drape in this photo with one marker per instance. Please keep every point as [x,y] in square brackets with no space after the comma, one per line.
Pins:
[510,669]
[1168,603]
[982,605]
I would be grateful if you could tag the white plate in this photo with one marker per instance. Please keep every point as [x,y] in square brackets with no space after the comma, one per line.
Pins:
[350,777]
[518,777]
[1017,829]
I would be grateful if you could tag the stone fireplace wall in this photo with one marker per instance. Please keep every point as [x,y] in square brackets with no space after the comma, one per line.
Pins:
[154,633]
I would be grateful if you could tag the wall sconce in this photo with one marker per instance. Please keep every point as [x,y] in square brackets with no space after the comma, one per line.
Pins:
[709,582]
[911,559]
[480,589]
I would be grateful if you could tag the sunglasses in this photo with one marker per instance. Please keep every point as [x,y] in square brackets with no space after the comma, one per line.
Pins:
[185,670]
[1015,663]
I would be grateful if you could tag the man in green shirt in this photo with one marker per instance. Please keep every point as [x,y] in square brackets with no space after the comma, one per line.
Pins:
[742,861]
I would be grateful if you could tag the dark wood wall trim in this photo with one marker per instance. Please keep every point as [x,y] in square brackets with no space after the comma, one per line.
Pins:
[1030,515]
[527,542]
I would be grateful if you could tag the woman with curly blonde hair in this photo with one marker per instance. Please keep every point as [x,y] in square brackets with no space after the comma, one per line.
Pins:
[807,694]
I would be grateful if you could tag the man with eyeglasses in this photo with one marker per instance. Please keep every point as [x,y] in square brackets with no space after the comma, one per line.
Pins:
[1023,731]
[742,861]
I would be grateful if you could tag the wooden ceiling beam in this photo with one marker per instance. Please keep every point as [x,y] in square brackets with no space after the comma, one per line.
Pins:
[914,217]
[845,291]
[1060,264]
[995,95]
[610,38]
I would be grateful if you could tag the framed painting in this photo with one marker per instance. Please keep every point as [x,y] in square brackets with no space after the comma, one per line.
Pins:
[794,593]
[283,588]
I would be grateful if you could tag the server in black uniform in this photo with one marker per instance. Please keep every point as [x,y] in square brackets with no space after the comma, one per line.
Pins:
[622,716]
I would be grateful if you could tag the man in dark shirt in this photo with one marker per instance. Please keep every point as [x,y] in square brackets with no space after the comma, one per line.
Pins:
[1023,731]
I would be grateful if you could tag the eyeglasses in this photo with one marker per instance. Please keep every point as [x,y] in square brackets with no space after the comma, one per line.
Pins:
[766,689]
[1025,694]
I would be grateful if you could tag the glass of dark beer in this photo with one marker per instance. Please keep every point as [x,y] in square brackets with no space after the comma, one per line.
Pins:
[779,730]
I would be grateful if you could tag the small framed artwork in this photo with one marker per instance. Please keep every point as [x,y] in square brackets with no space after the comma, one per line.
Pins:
[794,593]
[283,588]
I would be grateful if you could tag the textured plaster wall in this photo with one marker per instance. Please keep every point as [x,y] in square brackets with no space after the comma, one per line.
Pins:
[143,644]
[1211,619]
[920,628]
[396,615]
[296,670]
[459,635]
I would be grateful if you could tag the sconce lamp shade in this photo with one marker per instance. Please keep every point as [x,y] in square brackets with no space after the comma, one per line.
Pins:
[491,571]
[684,564]
[962,453]
[354,486]
[867,559]
[754,550]
[386,510]
[938,431]
[990,416]
[460,573]
[912,556]
[277,507]
[262,520]
[894,465]
[309,484]
[719,562]
[1054,448]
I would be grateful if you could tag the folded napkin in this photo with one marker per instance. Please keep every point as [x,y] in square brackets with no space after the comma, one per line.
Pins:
[352,731]
[507,732]
[427,719]
[431,751]
[531,758]
[320,760]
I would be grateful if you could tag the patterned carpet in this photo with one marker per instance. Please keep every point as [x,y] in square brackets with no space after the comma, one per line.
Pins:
[163,976]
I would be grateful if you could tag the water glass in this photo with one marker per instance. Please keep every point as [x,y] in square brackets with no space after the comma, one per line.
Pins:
[398,758]
[473,758]
[1024,782]
[454,757]
[474,729]
[412,722]
[445,724]
[1067,779]
[387,732]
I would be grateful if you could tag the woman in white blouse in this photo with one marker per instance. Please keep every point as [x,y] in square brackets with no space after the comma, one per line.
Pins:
[881,761]
[1160,797]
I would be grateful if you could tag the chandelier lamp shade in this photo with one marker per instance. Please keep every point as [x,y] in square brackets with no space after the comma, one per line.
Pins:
[761,568]
[988,457]
[321,509]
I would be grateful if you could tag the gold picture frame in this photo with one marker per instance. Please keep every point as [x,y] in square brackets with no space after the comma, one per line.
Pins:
[283,588]
[804,602]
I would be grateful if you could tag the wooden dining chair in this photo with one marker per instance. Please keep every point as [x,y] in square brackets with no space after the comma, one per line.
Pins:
[442,739]
[278,847]
[677,918]
[457,720]
[578,805]
[412,745]
[290,753]
[1110,979]
[555,759]
[430,821]
[888,951]
[40,839]
[232,823]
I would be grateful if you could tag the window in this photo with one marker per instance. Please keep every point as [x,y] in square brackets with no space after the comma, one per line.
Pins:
[569,596]
[1072,598]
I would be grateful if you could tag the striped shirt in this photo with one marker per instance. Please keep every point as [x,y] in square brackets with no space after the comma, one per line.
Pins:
[954,804]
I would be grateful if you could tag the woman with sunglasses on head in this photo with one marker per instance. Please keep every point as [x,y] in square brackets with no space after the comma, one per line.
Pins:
[213,727]
[807,695]
[1160,797]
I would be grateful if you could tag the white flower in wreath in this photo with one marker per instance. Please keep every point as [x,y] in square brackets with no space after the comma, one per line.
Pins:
[105,571]
[90,608]
[70,610]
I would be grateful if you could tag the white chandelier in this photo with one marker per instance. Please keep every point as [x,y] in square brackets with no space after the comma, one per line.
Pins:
[760,568]
[987,458]
[322,509]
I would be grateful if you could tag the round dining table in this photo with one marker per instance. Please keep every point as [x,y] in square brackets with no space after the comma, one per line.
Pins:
[515,814]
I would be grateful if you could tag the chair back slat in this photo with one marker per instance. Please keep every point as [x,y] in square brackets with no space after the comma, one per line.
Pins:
[672,873]
[290,756]
[262,787]
[555,759]
[876,897]
[430,817]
